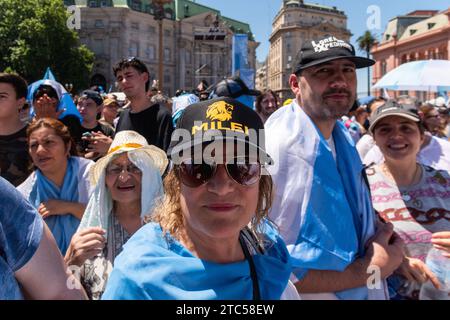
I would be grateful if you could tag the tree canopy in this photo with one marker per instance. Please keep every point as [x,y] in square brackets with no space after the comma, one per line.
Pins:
[34,35]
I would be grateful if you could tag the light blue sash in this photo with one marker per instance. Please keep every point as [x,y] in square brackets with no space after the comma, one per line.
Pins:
[152,267]
[322,205]
[62,226]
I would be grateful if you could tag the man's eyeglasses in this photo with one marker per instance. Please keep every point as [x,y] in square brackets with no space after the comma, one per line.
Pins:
[115,170]
[195,175]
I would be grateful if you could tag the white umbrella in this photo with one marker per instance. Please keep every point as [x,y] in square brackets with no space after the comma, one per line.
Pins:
[422,75]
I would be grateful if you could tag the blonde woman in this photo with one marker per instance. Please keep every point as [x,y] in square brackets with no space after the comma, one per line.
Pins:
[209,238]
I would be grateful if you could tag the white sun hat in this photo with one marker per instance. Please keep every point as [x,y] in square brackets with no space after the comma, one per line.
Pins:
[129,141]
[151,160]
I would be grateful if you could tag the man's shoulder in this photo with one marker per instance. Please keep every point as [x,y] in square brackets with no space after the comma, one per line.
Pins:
[106,128]
[20,134]
[163,112]
[286,112]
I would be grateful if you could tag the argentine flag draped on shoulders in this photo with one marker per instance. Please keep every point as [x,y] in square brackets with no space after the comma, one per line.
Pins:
[155,266]
[322,206]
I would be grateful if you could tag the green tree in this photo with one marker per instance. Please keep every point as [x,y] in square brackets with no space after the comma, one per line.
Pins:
[365,43]
[34,35]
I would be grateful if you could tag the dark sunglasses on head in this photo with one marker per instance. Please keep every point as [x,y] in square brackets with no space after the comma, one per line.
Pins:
[195,175]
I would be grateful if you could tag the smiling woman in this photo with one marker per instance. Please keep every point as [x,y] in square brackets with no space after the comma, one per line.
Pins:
[127,184]
[209,238]
[58,187]
[414,197]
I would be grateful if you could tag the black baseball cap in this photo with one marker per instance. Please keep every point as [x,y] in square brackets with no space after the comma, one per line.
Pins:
[232,87]
[327,49]
[219,119]
[94,95]
[392,108]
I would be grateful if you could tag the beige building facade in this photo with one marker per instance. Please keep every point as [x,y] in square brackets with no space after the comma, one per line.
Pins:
[197,41]
[295,23]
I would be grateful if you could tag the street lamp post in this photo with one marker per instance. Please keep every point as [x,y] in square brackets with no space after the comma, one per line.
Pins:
[69,87]
[159,14]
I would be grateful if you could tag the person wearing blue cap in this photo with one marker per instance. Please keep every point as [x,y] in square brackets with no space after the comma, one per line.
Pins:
[322,203]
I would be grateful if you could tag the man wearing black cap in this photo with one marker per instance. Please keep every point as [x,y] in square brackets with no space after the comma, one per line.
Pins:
[90,105]
[322,203]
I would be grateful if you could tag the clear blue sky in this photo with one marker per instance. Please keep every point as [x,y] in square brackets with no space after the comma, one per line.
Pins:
[260,13]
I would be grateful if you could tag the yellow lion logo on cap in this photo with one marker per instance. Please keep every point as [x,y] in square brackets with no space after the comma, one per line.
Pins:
[220,111]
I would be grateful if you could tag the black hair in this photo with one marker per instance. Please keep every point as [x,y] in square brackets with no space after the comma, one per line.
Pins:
[17,82]
[132,63]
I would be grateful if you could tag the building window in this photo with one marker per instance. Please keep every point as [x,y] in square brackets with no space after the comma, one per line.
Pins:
[167,54]
[133,49]
[152,29]
[383,68]
[97,46]
[136,5]
[150,52]
[98,24]
[167,33]
[167,77]
[135,26]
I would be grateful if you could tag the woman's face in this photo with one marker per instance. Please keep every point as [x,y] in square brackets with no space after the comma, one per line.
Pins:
[268,104]
[433,120]
[110,111]
[398,138]
[123,179]
[220,208]
[48,150]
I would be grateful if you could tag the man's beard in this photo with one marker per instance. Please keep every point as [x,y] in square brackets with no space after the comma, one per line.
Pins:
[338,109]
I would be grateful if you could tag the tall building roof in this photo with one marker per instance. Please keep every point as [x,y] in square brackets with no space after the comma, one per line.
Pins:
[178,9]
[313,6]
[414,23]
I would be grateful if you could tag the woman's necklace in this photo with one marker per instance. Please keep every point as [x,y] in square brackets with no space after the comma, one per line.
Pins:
[404,194]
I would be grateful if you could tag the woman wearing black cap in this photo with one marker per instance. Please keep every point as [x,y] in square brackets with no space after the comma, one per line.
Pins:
[415,198]
[210,237]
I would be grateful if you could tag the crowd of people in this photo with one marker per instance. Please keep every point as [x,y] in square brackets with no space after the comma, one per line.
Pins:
[224,192]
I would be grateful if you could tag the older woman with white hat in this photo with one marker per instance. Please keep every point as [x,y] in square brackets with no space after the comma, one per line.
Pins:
[130,170]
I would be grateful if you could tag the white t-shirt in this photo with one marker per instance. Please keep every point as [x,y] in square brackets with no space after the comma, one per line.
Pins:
[332,147]
[364,145]
[436,155]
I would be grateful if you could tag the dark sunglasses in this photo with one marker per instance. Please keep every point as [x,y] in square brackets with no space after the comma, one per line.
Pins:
[195,175]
